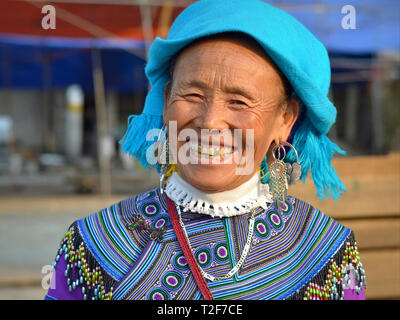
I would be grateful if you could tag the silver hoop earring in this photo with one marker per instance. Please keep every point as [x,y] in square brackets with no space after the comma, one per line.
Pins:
[160,147]
[161,153]
[283,174]
[293,170]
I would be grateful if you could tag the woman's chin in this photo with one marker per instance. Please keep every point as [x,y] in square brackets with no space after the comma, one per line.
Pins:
[213,173]
[211,178]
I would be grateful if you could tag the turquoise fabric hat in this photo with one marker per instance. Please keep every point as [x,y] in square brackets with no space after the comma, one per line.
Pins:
[294,49]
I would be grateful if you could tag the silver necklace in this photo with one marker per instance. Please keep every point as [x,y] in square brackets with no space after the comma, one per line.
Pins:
[242,257]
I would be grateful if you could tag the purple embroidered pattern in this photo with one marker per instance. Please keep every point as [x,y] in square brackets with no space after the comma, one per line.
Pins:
[296,253]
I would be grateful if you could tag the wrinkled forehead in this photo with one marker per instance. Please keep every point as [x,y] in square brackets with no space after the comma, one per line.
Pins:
[238,38]
[235,37]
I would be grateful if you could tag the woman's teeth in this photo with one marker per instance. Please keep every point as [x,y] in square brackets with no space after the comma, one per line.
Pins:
[211,151]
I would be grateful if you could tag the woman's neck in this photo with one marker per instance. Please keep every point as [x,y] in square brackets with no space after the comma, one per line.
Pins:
[239,200]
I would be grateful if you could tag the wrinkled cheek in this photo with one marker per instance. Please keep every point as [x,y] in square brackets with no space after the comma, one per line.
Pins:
[262,141]
[178,110]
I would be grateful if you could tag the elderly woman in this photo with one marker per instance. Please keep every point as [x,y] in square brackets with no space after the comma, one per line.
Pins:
[239,102]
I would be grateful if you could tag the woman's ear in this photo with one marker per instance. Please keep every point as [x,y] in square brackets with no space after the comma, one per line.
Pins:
[290,116]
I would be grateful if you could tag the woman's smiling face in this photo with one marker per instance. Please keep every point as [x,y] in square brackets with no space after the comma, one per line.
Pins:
[226,84]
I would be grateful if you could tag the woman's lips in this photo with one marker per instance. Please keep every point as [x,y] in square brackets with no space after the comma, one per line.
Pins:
[211,155]
[212,143]
[211,150]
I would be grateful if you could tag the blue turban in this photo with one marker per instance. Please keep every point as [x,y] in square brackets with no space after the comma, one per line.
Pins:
[294,49]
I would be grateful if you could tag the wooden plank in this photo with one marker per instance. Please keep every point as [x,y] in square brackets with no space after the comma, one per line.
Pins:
[56,204]
[18,293]
[373,188]
[368,165]
[382,270]
[375,233]
[366,197]
[373,194]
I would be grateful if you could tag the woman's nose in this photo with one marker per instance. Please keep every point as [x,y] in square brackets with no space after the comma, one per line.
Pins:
[213,117]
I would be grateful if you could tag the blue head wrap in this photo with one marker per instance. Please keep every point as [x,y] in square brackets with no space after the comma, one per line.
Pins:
[294,49]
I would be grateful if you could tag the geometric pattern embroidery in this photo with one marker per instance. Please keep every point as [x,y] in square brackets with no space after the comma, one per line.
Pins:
[339,277]
[139,248]
[272,221]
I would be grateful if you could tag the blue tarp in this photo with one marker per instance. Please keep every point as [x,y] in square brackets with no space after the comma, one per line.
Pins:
[22,58]
[377,23]
[35,62]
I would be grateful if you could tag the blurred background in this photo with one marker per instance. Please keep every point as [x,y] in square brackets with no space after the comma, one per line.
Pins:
[67,89]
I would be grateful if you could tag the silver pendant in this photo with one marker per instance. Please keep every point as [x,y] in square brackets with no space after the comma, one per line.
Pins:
[279,182]
[293,172]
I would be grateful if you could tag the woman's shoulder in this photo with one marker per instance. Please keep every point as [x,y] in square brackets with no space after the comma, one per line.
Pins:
[316,226]
[332,248]
[106,243]
[110,231]
[311,212]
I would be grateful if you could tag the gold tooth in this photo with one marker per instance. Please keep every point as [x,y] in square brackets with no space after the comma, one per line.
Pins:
[214,151]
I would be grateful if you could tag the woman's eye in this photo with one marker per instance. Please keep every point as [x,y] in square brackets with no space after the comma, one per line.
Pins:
[194,96]
[238,103]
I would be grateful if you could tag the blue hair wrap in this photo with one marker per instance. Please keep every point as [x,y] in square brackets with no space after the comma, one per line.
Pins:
[297,53]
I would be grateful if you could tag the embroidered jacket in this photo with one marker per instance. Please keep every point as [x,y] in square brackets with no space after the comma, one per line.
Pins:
[129,251]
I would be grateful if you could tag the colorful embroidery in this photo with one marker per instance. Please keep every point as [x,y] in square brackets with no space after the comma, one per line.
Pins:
[79,273]
[287,248]
[339,277]
[296,253]
[221,252]
[271,222]
[156,233]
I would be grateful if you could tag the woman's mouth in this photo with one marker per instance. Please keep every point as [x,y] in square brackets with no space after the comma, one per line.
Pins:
[213,154]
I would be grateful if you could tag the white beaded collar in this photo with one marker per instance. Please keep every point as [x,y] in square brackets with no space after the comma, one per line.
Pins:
[243,199]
